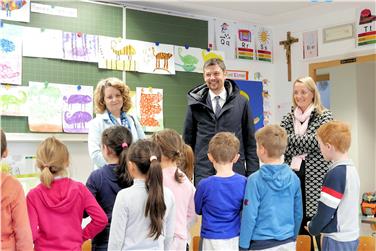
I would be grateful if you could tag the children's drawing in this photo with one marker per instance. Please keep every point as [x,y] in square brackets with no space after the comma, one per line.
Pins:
[158,59]
[44,43]
[366,28]
[10,60]
[206,55]
[133,111]
[13,100]
[187,59]
[150,108]
[245,42]
[77,108]
[310,42]
[264,44]
[45,100]
[225,38]
[15,10]
[80,47]
[118,54]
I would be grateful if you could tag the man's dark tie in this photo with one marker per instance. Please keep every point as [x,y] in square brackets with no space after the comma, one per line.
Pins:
[217,106]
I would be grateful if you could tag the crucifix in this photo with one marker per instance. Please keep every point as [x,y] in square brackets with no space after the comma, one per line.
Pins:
[287,46]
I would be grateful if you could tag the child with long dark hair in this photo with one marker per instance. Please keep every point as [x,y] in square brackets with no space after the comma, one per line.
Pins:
[106,182]
[172,147]
[144,214]
[57,205]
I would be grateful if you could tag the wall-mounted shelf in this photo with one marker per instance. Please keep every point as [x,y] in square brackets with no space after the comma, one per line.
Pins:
[37,137]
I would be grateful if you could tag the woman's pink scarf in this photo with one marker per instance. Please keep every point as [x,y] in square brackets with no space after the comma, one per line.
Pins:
[301,120]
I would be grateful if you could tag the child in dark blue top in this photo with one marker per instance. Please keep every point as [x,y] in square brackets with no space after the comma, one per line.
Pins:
[219,198]
[106,182]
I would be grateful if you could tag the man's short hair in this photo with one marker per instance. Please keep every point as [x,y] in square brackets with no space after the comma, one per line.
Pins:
[224,146]
[274,139]
[336,133]
[215,61]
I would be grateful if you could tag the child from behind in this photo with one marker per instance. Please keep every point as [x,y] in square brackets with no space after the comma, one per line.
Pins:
[172,146]
[337,217]
[15,227]
[106,182]
[56,206]
[144,214]
[219,198]
[272,208]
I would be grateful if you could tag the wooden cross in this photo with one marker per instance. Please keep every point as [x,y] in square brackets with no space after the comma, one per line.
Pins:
[287,46]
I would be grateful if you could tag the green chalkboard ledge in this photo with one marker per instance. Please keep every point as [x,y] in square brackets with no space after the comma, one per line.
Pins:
[38,137]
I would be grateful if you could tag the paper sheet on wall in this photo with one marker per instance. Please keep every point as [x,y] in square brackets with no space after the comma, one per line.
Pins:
[80,47]
[156,59]
[150,108]
[310,44]
[15,10]
[206,55]
[46,101]
[77,108]
[366,26]
[264,44]
[53,10]
[44,43]
[188,59]
[225,37]
[10,59]
[245,41]
[19,165]
[13,100]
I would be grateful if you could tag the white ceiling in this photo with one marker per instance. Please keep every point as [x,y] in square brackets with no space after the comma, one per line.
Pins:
[259,12]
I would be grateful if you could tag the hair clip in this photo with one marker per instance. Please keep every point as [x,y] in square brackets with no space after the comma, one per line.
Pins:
[124,145]
[153,157]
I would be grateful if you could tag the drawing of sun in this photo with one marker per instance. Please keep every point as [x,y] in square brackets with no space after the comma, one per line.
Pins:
[264,36]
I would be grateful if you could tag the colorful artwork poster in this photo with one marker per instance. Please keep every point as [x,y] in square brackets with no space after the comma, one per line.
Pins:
[77,108]
[252,91]
[15,10]
[10,59]
[264,44]
[20,165]
[209,54]
[366,27]
[44,43]
[118,54]
[245,42]
[46,99]
[13,100]
[188,59]
[156,59]
[150,108]
[310,44]
[80,47]
[225,37]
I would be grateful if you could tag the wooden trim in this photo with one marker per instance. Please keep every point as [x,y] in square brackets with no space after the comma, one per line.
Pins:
[322,77]
[312,68]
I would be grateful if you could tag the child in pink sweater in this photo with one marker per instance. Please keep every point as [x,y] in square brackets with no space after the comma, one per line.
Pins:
[57,205]
[15,228]
[172,147]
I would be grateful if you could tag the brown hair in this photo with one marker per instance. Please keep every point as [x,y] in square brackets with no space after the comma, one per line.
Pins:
[274,139]
[213,62]
[3,142]
[311,85]
[118,139]
[224,146]
[336,133]
[186,163]
[171,145]
[52,159]
[140,154]
[100,106]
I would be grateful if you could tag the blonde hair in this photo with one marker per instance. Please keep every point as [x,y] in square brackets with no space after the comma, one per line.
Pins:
[116,83]
[274,139]
[311,85]
[52,159]
[336,133]
[224,146]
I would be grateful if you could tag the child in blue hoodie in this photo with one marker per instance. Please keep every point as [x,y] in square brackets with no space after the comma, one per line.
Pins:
[272,207]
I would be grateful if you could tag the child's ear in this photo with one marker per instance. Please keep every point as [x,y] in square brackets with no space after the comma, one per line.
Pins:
[5,153]
[131,168]
[210,157]
[235,159]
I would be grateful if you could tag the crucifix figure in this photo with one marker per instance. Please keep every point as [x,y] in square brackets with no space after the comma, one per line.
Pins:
[287,46]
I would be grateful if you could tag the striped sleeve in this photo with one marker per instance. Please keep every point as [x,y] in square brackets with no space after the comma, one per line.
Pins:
[331,194]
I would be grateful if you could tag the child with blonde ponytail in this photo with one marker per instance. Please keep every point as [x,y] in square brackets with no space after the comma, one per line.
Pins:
[56,206]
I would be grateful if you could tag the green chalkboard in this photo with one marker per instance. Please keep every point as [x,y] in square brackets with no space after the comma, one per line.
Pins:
[91,18]
[152,27]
